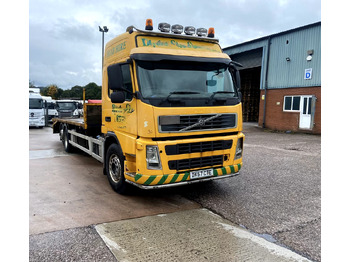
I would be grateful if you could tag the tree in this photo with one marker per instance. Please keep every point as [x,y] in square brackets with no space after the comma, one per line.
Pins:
[52,91]
[92,91]
[31,84]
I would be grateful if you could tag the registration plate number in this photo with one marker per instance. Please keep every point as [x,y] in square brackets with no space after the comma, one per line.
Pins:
[201,173]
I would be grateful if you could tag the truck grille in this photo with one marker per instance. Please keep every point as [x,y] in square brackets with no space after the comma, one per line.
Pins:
[199,122]
[65,114]
[198,147]
[199,162]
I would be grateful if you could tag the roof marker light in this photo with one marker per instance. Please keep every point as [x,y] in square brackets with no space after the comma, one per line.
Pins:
[190,30]
[211,32]
[164,27]
[202,32]
[149,24]
[177,29]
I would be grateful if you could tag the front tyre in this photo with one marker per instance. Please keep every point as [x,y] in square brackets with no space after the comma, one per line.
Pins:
[115,169]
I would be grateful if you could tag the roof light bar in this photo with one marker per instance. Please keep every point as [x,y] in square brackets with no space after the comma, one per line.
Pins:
[164,27]
[202,32]
[149,24]
[190,30]
[177,29]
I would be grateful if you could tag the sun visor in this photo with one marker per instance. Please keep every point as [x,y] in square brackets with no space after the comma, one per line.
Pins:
[186,56]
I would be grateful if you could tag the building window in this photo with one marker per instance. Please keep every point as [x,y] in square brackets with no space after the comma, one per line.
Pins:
[291,103]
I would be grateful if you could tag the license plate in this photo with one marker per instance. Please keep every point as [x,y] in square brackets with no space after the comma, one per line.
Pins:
[201,173]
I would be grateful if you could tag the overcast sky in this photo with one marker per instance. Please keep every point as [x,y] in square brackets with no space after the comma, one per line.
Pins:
[65,43]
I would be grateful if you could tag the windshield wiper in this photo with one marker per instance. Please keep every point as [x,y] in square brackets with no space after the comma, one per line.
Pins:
[221,92]
[181,93]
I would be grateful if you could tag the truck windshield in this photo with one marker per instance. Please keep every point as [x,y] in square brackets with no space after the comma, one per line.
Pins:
[35,103]
[50,105]
[66,106]
[175,83]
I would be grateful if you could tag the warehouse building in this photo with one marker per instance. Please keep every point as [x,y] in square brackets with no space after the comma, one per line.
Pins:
[281,79]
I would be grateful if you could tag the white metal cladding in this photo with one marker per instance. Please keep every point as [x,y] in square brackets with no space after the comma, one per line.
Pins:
[281,73]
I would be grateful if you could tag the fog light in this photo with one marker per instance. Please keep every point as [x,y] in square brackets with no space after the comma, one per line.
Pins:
[164,27]
[190,30]
[239,148]
[152,157]
[177,29]
[202,32]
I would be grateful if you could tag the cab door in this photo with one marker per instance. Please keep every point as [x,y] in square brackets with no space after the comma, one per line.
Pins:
[121,117]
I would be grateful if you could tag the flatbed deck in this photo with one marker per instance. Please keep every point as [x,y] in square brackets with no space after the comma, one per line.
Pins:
[72,121]
[90,121]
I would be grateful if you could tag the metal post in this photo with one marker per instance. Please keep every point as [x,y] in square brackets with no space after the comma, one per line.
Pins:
[266,80]
[46,114]
[103,44]
[103,30]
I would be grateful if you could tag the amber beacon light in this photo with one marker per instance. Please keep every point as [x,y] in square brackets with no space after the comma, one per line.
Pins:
[211,32]
[149,24]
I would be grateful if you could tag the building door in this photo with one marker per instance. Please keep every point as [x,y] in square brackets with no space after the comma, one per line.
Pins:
[250,88]
[250,73]
[307,111]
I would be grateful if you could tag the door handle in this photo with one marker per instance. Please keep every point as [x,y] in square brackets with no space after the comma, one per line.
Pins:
[108,119]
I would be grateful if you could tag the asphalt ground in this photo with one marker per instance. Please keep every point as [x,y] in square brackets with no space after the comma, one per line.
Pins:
[278,193]
[277,197]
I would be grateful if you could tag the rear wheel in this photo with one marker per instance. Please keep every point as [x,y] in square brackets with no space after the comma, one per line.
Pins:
[115,169]
[65,140]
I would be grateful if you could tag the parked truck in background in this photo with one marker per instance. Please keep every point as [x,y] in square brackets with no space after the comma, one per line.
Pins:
[170,112]
[67,108]
[36,110]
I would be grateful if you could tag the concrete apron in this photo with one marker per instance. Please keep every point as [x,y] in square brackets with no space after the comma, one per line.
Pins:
[192,235]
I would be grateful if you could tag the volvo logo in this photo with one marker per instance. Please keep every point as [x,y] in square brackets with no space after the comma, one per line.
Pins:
[201,122]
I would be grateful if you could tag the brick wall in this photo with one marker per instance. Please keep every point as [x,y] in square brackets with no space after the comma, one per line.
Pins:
[276,119]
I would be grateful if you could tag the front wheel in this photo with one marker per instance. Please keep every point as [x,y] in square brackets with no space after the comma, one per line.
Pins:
[115,169]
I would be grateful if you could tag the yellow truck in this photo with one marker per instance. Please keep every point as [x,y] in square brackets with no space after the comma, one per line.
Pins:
[170,112]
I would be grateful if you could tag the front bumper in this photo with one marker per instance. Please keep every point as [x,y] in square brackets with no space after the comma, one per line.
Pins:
[36,123]
[178,179]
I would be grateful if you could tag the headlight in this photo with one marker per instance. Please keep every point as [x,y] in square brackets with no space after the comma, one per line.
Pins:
[152,157]
[75,113]
[239,148]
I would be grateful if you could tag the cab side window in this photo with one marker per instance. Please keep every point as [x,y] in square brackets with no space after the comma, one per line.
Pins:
[127,84]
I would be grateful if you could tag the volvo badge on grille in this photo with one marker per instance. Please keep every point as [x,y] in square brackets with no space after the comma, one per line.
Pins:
[201,122]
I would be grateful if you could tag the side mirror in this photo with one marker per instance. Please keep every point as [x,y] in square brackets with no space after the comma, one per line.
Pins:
[115,77]
[240,95]
[118,97]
